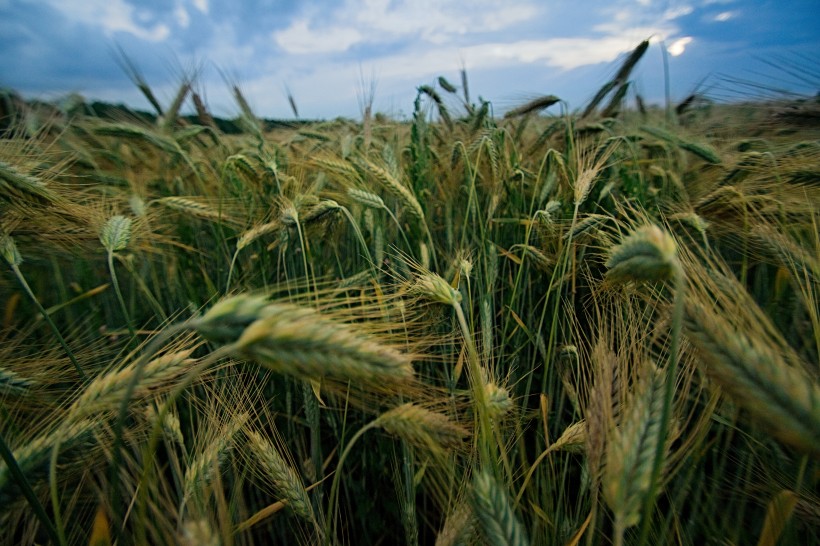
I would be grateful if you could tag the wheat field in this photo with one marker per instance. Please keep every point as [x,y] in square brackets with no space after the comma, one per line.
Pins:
[584,327]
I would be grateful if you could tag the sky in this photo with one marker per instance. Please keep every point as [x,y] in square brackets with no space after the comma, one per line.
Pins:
[332,55]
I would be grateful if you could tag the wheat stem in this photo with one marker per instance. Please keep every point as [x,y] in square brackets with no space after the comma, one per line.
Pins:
[478,378]
[28,492]
[334,488]
[668,395]
[53,491]
[115,281]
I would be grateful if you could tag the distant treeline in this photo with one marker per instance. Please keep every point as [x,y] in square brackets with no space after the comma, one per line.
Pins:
[14,106]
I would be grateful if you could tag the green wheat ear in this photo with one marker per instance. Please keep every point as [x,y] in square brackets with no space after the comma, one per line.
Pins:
[227,319]
[435,288]
[495,515]
[647,254]
[8,250]
[116,233]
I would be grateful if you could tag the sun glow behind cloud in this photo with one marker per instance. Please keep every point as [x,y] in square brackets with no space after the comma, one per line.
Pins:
[678,47]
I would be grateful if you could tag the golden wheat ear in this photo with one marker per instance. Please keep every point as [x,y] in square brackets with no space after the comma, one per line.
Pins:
[459,527]
[298,340]
[422,427]
[435,288]
[106,391]
[285,479]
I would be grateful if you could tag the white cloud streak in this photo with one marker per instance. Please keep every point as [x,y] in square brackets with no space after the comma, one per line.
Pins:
[111,16]
[560,53]
[300,38]
[201,5]
[382,21]
[679,11]
[182,17]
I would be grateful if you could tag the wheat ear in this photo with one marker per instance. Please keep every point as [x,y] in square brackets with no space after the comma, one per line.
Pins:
[631,453]
[495,515]
[116,233]
[106,391]
[13,384]
[780,396]
[647,254]
[285,479]
[394,186]
[421,427]
[32,458]
[301,341]
[459,527]
[435,288]
[199,471]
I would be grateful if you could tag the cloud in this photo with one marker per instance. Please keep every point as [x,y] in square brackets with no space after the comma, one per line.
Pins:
[404,42]
[724,16]
[112,16]
[677,47]
[319,45]
[677,12]
[67,56]
[183,19]
[626,20]
[381,21]
[560,53]
[299,38]
[436,21]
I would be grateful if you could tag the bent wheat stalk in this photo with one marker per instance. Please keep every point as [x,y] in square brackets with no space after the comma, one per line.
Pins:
[650,254]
